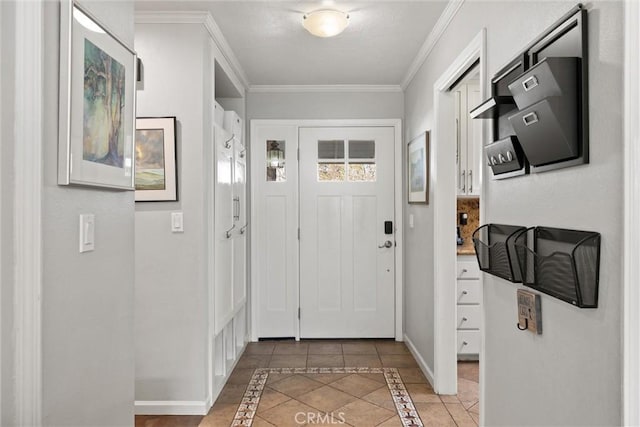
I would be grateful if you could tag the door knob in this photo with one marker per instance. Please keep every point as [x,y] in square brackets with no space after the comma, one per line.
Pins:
[386,244]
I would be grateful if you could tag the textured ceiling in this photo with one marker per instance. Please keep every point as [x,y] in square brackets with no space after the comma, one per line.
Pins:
[267,37]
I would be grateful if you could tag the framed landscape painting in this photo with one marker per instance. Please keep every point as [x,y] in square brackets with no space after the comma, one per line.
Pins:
[97,103]
[156,170]
[418,169]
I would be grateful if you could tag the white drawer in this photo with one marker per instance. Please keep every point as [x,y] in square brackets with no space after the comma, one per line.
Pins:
[233,124]
[467,270]
[468,342]
[468,317]
[468,292]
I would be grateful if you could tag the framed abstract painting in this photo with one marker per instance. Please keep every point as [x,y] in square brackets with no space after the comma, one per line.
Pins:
[156,172]
[97,103]
[418,169]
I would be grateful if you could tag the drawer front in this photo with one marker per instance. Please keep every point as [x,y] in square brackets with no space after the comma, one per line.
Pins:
[550,77]
[468,317]
[468,342]
[468,292]
[467,270]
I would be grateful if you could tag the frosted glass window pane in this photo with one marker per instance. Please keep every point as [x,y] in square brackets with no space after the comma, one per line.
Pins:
[276,167]
[329,150]
[362,172]
[331,172]
[362,149]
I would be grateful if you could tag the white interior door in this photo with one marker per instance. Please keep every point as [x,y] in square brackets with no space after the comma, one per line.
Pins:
[346,195]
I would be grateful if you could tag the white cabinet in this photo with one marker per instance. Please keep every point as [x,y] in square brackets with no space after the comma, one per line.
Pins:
[468,307]
[228,236]
[224,223]
[230,225]
[468,140]
[239,238]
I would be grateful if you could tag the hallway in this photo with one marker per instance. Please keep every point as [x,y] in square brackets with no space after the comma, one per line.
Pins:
[306,383]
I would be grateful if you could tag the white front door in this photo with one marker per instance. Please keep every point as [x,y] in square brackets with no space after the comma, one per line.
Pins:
[346,195]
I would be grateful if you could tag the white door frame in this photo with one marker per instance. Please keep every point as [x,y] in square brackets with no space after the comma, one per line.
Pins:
[27,246]
[444,203]
[631,373]
[398,188]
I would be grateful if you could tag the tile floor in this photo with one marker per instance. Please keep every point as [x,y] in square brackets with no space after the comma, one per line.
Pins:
[350,399]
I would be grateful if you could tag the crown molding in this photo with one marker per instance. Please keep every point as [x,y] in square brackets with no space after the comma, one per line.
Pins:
[432,39]
[323,88]
[203,18]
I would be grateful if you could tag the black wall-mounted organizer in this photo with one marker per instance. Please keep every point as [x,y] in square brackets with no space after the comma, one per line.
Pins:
[562,263]
[496,251]
[559,262]
[539,103]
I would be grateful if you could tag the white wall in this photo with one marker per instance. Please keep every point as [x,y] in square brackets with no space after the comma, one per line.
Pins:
[570,375]
[325,105]
[171,291]
[87,304]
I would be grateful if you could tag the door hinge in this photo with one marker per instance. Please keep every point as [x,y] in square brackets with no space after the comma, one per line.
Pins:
[298,154]
[298,313]
[298,233]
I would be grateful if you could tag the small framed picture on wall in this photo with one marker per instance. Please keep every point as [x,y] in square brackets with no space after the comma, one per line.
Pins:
[418,169]
[156,169]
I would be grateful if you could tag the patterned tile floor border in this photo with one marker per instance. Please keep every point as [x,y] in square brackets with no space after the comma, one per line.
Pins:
[404,405]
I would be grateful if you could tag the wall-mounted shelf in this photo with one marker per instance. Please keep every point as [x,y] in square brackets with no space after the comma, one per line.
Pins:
[496,251]
[493,108]
[562,263]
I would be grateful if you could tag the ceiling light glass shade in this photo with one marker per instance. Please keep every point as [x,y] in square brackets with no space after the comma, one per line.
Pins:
[86,22]
[326,23]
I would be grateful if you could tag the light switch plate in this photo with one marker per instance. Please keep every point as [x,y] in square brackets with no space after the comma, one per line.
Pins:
[529,312]
[87,232]
[177,222]
[410,220]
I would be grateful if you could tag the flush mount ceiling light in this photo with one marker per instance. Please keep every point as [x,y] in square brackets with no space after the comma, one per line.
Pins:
[86,22]
[325,23]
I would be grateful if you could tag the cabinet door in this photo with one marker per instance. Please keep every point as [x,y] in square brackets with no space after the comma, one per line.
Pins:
[461,139]
[240,222]
[474,142]
[223,214]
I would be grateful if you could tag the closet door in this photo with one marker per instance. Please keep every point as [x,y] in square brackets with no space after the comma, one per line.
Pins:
[224,229]
[240,221]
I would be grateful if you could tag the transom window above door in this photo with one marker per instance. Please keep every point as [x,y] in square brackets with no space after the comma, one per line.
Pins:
[358,165]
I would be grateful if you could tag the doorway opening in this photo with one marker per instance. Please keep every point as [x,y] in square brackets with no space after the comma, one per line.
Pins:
[326,241]
[447,188]
[468,304]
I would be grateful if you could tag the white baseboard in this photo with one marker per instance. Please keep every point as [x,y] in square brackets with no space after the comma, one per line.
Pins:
[171,407]
[185,407]
[421,362]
